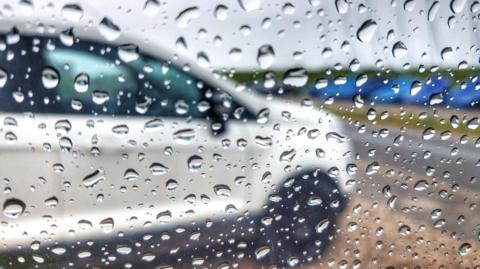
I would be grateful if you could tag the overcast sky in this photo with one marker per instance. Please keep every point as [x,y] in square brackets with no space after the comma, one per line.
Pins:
[306,33]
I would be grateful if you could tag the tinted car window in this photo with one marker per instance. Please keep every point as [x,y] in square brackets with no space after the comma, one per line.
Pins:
[91,78]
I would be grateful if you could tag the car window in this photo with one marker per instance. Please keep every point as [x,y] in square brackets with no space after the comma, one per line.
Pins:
[90,78]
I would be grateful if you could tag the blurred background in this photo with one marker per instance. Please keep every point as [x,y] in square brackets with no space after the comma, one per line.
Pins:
[402,75]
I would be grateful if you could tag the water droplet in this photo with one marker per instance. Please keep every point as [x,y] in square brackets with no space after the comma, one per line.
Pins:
[288,9]
[107,225]
[123,249]
[404,230]
[51,202]
[65,144]
[322,226]
[399,50]
[186,15]
[457,5]
[72,12]
[128,52]
[473,123]
[366,31]
[296,77]
[421,185]
[184,136]
[93,179]
[195,163]
[222,191]
[288,155]
[221,12]
[151,8]
[409,5]
[84,224]
[464,249]
[11,137]
[446,53]
[428,133]
[433,10]
[334,136]
[263,142]
[58,250]
[265,56]
[130,175]
[415,87]
[164,217]
[13,208]
[67,37]
[3,77]
[158,169]
[342,6]
[250,5]
[50,78]
[262,252]
[81,82]
[108,29]
[263,116]
[121,129]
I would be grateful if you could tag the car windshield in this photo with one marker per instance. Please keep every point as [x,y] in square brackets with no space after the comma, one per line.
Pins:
[239,134]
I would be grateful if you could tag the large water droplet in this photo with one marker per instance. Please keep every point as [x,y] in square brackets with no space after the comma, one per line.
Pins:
[72,12]
[433,10]
[415,87]
[13,208]
[457,5]
[81,83]
[184,137]
[265,56]
[108,29]
[164,217]
[322,226]
[296,77]
[222,191]
[186,15]
[262,252]
[195,163]
[128,52]
[250,5]
[93,179]
[50,77]
[158,169]
[342,6]
[399,50]
[151,8]
[221,12]
[367,31]
[107,225]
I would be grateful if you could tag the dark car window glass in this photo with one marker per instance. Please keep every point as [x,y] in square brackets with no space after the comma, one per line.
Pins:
[91,79]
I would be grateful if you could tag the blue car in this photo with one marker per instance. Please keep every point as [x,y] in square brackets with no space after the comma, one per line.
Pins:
[345,91]
[467,96]
[397,90]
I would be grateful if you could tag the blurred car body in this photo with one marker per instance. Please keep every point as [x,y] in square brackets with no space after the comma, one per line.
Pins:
[110,139]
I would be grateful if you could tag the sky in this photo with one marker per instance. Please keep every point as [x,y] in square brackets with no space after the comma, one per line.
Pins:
[314,34]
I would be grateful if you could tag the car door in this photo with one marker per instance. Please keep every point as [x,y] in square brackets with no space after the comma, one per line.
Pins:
[134,146]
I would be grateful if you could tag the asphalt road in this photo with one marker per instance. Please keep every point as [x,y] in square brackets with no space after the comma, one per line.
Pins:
[435,181]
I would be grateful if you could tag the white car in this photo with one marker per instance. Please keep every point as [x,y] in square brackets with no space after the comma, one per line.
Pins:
[120,152]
